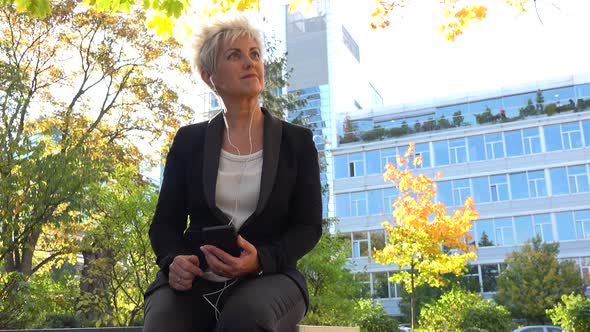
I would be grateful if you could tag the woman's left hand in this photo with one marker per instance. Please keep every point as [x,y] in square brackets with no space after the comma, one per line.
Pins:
[226,265]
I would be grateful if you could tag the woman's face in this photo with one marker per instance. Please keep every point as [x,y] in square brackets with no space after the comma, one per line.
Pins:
[240,70]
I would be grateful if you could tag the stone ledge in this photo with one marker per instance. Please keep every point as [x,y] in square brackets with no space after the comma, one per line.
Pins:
[301,328]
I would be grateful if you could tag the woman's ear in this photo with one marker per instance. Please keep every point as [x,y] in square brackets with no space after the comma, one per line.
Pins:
[206,77]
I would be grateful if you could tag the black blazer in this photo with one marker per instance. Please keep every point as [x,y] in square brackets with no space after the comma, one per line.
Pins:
[287,222]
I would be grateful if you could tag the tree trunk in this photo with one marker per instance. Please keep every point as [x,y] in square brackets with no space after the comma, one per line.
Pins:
[95,285]
[413,300]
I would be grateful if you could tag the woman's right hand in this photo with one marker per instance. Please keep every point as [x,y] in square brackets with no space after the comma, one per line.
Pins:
[182,272]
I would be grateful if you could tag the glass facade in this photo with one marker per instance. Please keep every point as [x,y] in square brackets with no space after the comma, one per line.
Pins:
[315,115]
[502,109]
[513,143]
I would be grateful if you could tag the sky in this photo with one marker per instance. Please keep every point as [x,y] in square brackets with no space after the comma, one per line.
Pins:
[411,60]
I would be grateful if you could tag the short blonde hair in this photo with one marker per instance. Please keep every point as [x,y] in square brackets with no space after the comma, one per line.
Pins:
[206,42]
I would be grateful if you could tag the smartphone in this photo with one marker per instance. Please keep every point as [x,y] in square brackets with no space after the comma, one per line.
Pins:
[223,237]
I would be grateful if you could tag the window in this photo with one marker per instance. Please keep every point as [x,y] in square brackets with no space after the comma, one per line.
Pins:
[559,183]
[531,140]
[489,277]
[504,232]
[389,197]
[477,150]
[571,135]
[582,219]
[388,156]
[377,240]
[514,143]
[553,138]
[519,185]
[444,192]
[423,150]
[565,226]
[358,204]
[577,178]
[441,153]
[484,233]
[380,285]
[494,146]
[570,180]
[499,188]
[481,189]
[375,202]
[360,244]
[356,165]
[544,227]
[341,166]
[364,281]
[536,183]
[457,151]
[460,191]
[586,126]
[524,228]
[373,162]
[470,280]
[343,205]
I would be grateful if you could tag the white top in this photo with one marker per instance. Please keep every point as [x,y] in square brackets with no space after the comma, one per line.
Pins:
[237,190]
[238,185]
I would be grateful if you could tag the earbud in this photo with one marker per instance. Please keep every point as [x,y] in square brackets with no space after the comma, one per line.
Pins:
[212,84]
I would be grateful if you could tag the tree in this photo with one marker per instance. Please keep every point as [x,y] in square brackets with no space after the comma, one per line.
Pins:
[424,242]
[371,317]
[534,280]
[459,310]
[331,285]
[573,313]
[123,264]
[539,100]
[171,15]
[348,134]
[76,87]
[426,294]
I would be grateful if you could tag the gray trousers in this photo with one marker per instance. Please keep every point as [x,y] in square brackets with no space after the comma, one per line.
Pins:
[267,303]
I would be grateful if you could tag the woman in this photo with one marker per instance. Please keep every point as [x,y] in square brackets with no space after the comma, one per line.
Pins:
[247,169]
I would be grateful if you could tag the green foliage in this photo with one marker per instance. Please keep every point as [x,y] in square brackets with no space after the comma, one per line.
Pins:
[528,110]
[534,280]
[118,256]
[374,134]
[65,321]
[551,109]
[459,310]
[371,317]
[426,294]
[573,314]
[331,286]
[484,117]
[458,119]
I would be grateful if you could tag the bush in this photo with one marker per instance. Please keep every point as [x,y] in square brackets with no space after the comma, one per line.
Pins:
[551,109]
[459,310]
[371,317]
[573,314]
[65,321]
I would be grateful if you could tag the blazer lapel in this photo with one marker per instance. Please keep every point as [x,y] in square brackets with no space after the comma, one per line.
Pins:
[211,152]
[272,137]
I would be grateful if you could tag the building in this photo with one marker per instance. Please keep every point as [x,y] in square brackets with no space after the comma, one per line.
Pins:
[328,73]
[522,152]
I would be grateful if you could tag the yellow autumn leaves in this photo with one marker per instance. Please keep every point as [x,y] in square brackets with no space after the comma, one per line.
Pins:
[423,240]
[172,18]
